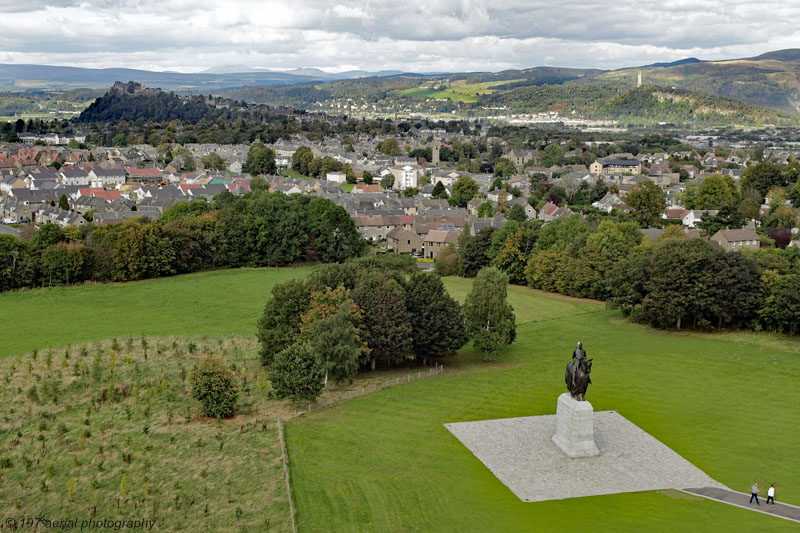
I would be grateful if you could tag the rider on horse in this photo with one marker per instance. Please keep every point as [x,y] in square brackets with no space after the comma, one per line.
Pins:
[578,359]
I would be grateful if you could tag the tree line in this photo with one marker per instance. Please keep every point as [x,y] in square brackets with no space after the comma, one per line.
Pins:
[672,281]
[257,229]
[352,316]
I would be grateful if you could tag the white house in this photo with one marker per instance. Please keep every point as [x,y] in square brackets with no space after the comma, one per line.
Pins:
[406,176]
[336,177]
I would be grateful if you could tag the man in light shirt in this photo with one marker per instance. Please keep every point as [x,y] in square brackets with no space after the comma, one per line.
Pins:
[771,494]
[754,494]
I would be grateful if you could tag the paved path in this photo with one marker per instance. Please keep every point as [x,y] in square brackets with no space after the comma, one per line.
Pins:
[740,499]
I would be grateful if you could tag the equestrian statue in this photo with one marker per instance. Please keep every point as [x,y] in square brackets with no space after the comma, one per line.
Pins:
[576,376]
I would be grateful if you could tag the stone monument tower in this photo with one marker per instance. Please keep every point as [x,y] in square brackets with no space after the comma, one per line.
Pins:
[435,152]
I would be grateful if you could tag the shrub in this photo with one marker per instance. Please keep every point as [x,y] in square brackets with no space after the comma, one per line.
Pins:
[214,385]
[297,373]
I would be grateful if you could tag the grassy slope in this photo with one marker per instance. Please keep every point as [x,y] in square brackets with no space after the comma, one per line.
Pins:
[187,475]
[724,402]
[208,303]
[457,91]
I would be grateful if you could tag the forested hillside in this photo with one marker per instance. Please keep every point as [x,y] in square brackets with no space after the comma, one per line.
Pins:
[755,91]
[132,101]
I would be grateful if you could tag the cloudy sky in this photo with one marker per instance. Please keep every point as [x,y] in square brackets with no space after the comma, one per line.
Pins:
[412,35]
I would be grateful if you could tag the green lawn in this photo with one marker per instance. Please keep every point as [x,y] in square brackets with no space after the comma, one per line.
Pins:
[725,402]
[381,462]
[219,302]
[458,91]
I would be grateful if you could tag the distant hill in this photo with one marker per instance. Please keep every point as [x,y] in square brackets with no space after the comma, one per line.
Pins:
[56,77]
[648,104]
[769,80]
[133,101]
[675,63]
[769,83]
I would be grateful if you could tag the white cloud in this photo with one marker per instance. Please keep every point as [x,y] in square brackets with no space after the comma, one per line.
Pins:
[351,12]
[416,35]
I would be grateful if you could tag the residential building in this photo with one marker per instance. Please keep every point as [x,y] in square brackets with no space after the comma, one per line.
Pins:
[616,166]
[436,241]
[736,239]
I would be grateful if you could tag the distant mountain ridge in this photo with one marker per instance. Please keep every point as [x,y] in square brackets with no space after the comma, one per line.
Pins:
[22,77]
[768,83]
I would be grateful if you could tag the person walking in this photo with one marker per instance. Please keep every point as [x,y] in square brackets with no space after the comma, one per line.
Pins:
[754,494]
[771,494]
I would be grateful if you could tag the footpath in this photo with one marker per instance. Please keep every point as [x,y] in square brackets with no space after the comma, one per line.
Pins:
[740,499]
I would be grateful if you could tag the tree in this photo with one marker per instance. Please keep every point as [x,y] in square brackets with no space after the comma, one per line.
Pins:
[750,207]
[563,233]
[794,194]
[349,175]
[762,177]
[279,325]
[387,182]
[646,202]
[518,213]
[297,373]
[782,236]
[783,215]
[302,159]
[389,146]
[626,280]
[439,191]
[213,161]
[552,155]
[437,322]
[337,342]
[715,192]
[11,250]
[486,210]
[512,257]
[504,168]
[366,176]
[680,283]
[488,317]
[187,161]
[259,183]
[474,252]
[781,309]
[214,385]
[260,160]
[63,203]
[387,326]
[464,190]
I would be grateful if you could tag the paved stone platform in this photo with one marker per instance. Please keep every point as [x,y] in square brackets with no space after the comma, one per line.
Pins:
[520,452]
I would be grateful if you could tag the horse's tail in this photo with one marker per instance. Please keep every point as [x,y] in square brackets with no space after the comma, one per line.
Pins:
[568,375]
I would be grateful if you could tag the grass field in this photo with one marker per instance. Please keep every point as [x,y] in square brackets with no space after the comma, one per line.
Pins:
[380,462]
[458,91]
[725,402]
[104,432]
[220,302]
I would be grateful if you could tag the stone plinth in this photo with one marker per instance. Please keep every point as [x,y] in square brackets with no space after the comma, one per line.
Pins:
[575,427]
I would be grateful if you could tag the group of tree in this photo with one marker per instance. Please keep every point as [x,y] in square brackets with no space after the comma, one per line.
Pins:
[257,229]
[304,162]
[353,316]
[672,281]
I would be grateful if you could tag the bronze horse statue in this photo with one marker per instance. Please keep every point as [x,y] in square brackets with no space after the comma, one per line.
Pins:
[577,387]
